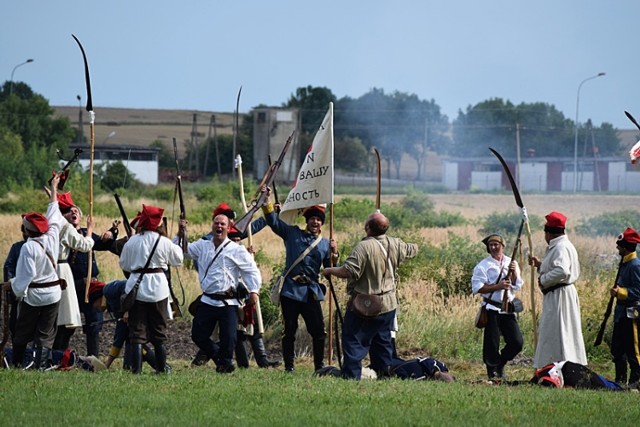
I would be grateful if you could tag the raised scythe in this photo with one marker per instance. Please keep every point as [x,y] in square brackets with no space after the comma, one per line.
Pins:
[92,120]
[238,165]
[525,222]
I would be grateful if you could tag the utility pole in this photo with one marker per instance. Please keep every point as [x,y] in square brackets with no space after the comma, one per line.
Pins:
[194,144]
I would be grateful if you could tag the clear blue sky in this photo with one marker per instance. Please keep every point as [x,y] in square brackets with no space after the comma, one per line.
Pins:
[195,55]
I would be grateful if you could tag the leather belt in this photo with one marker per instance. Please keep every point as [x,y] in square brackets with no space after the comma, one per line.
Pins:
[554,287]
[148,270]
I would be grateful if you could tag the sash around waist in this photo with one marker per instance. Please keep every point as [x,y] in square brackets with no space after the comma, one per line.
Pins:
[554,287]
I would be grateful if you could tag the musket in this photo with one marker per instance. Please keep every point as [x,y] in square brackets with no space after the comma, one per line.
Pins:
[125,220]
[92,120]
[603,325]
[260,197]
[65,169]
[183,241]
[378,189]
[238,165]
[525,223]
[275,189]
[175,305]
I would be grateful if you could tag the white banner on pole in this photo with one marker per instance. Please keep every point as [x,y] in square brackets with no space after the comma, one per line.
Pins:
[314,182]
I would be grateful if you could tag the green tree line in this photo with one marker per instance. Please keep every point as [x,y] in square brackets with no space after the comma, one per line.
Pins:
[396,123]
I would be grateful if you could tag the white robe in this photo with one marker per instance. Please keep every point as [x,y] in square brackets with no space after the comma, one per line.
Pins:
[560,330]
[69,310]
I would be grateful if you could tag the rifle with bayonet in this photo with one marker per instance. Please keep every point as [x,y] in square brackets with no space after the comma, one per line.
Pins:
[183,241]
[261,197]
[275,189]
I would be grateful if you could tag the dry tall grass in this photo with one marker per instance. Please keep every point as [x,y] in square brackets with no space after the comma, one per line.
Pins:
[430,323]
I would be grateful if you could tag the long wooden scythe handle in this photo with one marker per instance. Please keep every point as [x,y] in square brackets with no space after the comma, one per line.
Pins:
[92,117]
[516,194]
[379,179]
[238,165]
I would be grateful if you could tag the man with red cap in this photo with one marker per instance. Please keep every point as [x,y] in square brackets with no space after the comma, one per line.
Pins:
[36,282]
[255,337]
[71,241]
[147,255]
[560,331]
[221,265]
[73,252]
[301,291]
[626,289]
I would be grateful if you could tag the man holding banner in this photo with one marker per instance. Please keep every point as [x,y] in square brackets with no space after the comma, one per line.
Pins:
[306,250]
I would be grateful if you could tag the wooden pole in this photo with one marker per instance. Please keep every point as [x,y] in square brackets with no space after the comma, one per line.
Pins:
[238,164]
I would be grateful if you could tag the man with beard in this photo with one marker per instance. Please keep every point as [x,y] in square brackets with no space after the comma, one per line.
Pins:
[221,263]
[492,277]
[560,332]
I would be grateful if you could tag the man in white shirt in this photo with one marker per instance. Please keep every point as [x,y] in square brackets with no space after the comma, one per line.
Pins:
[36,284]
[492,277]
[221,263]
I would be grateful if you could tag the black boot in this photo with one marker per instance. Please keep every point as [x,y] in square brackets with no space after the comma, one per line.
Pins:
[63,337]
[318,353]
[287,354]
[161,358]
[621,371]
[200,359]
[241,351]
[136,358]
[93,344]
[260,353]
[149,356]
[18,355]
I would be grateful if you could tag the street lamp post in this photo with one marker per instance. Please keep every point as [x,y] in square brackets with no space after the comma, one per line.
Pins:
[111,135]
[575,144]
[14,70]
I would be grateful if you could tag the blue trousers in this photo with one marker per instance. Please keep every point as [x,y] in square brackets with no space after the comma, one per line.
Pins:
[361,336]
[204,322]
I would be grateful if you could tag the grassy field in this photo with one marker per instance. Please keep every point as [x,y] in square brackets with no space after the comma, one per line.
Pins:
[429,325]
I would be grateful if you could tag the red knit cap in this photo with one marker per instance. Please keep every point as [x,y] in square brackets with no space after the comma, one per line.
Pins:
[150,218]
[555,222]
[35,221]
[628,239]
[224,209]
[65,202]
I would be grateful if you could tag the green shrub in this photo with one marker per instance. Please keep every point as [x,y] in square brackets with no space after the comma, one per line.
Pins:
[450,265]
[609,224]
[507,224]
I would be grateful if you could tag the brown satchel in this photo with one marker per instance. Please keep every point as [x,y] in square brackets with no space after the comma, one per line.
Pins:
[366,305]
[482,318]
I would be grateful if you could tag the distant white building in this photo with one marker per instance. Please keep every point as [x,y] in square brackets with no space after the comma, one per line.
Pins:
[141,162]
[543,174]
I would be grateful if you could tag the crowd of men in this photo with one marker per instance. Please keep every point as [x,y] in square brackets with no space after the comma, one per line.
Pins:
[46,275]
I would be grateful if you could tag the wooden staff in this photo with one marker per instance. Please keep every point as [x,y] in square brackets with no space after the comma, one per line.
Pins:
[92,120]
[238,165]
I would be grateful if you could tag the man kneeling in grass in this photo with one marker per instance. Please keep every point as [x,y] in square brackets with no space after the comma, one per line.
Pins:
[370,271]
